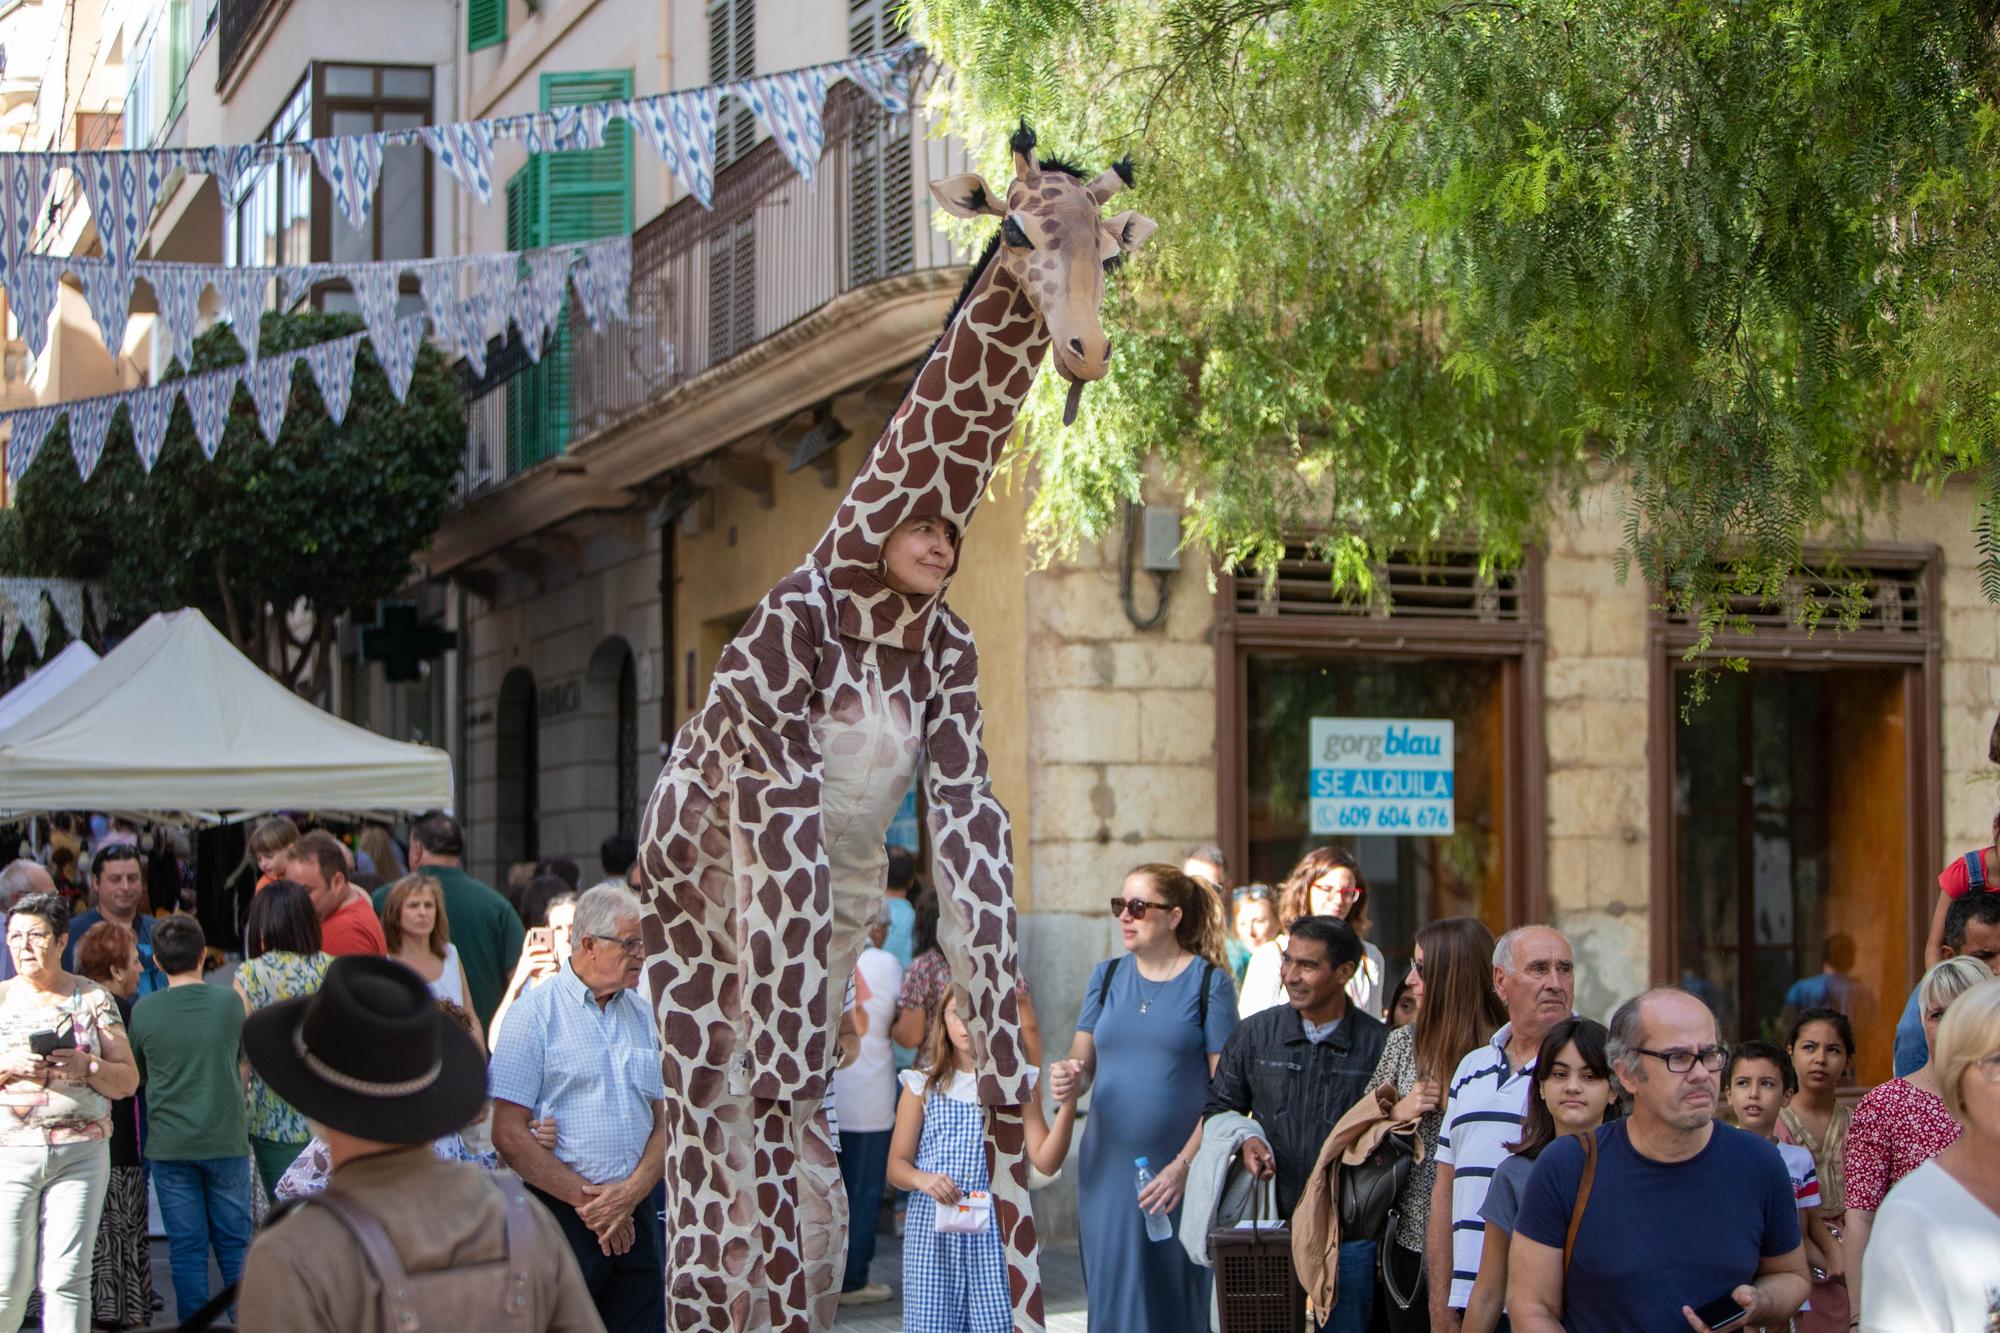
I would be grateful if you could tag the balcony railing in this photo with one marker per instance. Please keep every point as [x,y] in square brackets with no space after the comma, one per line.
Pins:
[710,283]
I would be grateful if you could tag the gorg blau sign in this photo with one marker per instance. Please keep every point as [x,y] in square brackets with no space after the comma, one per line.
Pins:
[1381,775]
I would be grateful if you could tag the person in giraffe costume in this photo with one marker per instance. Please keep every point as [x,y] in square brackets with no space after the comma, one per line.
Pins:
[762,847]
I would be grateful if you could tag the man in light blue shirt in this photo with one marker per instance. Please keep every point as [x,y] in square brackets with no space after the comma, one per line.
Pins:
[581,1049]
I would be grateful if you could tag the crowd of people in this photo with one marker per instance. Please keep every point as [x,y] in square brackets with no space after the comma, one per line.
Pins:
[1247,1053]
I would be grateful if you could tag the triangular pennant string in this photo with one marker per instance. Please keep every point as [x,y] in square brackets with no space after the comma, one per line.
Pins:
[245,292]
[466,151]
[27,186]
[884,75]
[107,290]
[31,427]
[89,419]
[270,382]
[26,595]
[352,165]
[792,107]
[66,595]
[177,291]
[208,397]
[10,628]
[229,164]
[32,287]
[681,128]
[540,303]
[375,292]
[149,411]
[332,366]
[397,354]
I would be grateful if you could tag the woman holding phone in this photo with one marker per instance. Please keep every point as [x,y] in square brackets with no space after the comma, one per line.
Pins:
[63,1061]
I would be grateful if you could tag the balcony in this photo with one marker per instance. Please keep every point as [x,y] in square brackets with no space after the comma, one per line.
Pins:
[720,292]
[236,21]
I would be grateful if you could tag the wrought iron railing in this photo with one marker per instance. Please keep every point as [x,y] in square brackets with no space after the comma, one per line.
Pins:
[710,283]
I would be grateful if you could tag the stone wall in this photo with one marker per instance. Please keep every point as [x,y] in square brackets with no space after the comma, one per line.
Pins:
[1595,685]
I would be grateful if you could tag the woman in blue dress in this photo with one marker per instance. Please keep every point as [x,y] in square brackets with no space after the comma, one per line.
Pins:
[1153,1023]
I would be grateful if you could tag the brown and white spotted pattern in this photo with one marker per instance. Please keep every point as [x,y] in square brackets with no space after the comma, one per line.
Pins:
[751,932]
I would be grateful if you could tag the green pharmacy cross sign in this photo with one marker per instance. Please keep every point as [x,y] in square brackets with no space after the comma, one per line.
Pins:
[400,644]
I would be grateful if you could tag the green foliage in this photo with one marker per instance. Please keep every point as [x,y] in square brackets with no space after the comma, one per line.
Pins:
[325,521]
[1425,271]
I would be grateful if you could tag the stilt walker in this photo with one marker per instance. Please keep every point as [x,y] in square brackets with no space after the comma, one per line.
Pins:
[762,846]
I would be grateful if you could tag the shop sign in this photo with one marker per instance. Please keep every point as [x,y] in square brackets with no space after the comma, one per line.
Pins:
[1381,775]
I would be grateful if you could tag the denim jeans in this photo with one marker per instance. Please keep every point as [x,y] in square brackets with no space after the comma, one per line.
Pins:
[864,1170]
[203,1204]
[1354,1289]
[50,1202]
[1913,1049]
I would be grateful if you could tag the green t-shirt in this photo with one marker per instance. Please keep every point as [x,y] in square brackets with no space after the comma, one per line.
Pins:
[188,1040]
[483,926]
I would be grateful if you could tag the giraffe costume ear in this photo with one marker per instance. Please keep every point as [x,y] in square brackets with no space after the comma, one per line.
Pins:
[966,196]
[1130,230]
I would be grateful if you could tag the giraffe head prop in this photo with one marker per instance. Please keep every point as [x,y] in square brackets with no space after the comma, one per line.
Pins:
[1057,244]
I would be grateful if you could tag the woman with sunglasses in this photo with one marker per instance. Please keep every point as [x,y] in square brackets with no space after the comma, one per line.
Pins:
[1327,881]
[1154,1021]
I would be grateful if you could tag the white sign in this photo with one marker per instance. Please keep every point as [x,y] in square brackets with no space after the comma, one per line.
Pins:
[1381,775]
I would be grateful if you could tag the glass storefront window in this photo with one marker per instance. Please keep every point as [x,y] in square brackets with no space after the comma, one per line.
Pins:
[1413,878]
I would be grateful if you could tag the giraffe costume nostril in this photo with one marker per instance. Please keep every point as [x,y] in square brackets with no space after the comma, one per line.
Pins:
[762,843]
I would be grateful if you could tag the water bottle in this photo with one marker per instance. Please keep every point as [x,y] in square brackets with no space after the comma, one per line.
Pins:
[1158,1227]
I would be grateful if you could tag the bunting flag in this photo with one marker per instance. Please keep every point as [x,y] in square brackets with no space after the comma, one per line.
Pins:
[352,165]
[792,106]
[32,283]
[25,603]
[681,129]
[121,186]
[332,366]
[26,597]
[208,397]
[177,292]
[149,411]
[270,383]
[31,426]
[89,419]
[244,296]
[66,596]
[398,353]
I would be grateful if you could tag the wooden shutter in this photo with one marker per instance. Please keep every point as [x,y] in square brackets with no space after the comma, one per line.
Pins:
[485,23]
[526,392]
[732,290]
[732,54]
[880,206]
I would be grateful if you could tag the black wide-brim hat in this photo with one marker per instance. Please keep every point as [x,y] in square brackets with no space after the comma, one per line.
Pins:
[370,1054]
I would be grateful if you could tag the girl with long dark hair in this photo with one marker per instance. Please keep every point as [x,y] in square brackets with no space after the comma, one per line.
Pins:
[1451,976]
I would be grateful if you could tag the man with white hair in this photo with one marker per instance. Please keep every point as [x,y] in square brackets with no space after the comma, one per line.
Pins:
[17,881]
[1535,976]
[582,1049]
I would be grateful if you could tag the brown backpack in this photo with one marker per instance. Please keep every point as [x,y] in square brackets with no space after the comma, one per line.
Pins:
[444,1296]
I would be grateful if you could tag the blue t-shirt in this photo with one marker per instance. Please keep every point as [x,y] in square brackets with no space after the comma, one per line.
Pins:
[1659,1235]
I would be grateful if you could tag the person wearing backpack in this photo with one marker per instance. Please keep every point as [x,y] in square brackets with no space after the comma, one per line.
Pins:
[399,1238]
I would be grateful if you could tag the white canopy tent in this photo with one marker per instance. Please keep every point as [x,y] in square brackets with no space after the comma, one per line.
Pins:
[46,682]
[175,722]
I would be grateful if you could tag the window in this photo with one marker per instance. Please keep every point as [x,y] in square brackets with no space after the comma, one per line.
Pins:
[732,54]
[285,213]
[557,198]
[732,290]
[1797,810]
[485,24]
[180,50]
[1448,646]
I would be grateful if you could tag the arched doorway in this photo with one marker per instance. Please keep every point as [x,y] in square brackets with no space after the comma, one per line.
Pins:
[517,803]
[611,689]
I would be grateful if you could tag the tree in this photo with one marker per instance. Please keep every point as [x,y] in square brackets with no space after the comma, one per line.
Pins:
[272,542]
[1423,269]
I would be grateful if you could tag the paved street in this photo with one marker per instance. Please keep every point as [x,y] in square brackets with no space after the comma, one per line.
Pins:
[1062,1291]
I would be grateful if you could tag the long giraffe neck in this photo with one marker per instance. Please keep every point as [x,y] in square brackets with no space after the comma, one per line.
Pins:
[937,453]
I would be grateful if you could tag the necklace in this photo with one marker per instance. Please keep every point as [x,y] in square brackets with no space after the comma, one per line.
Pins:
[1145,1000]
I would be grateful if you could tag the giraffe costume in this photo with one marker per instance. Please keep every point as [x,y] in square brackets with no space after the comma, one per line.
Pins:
[762,844]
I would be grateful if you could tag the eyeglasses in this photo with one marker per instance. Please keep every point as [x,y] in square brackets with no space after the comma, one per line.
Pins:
[1252,893]
[1138,907]
[635,947]
[41,939]
[1712,1058]
[1988,1067]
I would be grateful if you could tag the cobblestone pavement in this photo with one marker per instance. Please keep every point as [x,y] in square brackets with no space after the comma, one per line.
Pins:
[1062,1292]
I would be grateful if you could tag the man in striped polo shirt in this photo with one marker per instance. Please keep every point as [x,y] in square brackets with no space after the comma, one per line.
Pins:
[1535,975]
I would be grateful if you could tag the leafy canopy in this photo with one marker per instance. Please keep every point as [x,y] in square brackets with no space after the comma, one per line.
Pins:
[325,521]
[1426,269]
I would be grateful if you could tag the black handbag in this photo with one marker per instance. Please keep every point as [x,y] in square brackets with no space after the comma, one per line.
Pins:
[1368,1189]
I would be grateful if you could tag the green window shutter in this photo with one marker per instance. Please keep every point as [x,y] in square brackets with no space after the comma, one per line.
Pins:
[485,24]
[177,56]
[528,435]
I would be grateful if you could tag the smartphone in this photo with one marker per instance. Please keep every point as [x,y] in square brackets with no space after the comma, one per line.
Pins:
[1721,1313]
[541,937]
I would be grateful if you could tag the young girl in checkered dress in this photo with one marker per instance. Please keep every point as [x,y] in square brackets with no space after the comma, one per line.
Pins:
[956,1282]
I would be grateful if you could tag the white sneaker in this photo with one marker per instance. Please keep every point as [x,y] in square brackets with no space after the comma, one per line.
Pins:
[873,1294]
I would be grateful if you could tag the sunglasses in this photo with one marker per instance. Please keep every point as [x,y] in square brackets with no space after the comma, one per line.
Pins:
[1138,907]
[1254,893]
